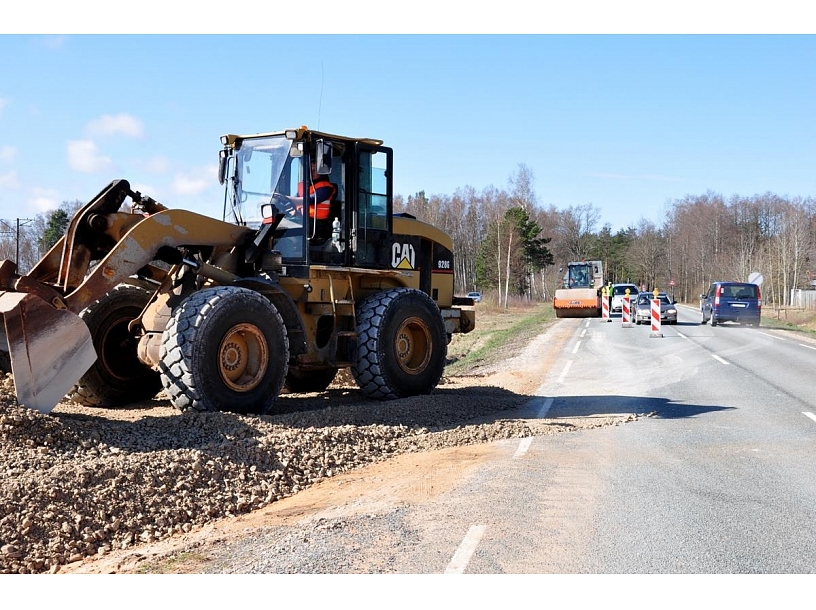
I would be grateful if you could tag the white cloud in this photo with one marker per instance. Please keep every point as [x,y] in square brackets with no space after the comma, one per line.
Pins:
[195,181]
[121,124]
[158,165]
[7,153]
[83,156]
[9,179]
[44,200]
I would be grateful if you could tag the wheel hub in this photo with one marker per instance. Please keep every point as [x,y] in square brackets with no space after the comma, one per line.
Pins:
[243,357]
[412,345]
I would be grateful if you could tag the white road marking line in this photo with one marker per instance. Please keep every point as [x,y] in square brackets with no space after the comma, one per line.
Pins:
[524,445]
[575,349]
[716,357]
[465,551]
[583,333]
[807,346]
[809,414]
[772,336]
[545,408]
[564,372]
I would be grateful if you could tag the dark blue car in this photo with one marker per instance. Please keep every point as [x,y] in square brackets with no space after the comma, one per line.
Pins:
[739,302]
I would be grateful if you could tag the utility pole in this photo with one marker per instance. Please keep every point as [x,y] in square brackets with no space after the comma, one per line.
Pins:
[16,232]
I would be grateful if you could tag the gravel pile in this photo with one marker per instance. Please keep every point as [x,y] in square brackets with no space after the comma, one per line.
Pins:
[82,482]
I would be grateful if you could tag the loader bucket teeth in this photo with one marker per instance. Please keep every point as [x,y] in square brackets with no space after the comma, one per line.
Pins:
[50,349]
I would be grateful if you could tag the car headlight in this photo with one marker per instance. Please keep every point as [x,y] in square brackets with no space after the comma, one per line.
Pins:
[671,311]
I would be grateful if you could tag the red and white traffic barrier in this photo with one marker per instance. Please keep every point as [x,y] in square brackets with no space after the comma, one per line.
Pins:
[605,308]
[656,318]
[626,313]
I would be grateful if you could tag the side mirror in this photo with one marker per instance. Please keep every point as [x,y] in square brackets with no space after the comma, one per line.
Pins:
[222,166]
[323,157]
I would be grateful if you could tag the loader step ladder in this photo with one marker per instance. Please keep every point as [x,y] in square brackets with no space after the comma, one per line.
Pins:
[345,318]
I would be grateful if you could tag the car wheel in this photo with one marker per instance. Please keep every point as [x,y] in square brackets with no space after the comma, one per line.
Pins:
[713,320]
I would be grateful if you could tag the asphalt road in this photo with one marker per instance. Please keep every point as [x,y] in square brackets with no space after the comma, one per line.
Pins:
[714,477]
[718,479]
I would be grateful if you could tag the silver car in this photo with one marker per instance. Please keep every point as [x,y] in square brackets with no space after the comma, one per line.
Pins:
[643,310]
[618,292]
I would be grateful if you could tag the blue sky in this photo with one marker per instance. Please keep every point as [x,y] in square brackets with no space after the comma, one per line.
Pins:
[623,122]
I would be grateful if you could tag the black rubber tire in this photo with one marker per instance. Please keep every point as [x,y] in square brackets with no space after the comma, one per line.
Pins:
[224,349]
[713,320]
[117,377]
[703,319]
[401,344]
[309,381]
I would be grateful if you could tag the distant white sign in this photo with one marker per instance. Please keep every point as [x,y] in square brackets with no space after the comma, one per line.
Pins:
[756,278]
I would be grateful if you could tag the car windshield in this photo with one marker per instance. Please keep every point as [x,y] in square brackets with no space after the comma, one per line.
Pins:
[646,299]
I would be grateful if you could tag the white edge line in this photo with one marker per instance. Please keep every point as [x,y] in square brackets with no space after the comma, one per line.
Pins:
[524,445]
[809,414]
[465,551]
[716,357]
[771,336]
[545,408]
[564,372]
[807,346]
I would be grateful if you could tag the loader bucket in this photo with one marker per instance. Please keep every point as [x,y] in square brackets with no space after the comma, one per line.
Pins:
[50,349]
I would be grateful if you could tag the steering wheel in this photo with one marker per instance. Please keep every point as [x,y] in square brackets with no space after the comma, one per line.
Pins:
[284,204]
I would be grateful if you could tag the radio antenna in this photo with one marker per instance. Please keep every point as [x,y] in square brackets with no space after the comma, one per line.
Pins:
[320,102]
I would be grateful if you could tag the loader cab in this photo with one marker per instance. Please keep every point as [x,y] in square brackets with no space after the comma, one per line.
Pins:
[265,175]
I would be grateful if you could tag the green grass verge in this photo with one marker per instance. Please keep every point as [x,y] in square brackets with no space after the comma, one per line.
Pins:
[501,335]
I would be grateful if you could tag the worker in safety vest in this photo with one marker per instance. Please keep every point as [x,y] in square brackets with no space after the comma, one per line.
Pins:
[321,194]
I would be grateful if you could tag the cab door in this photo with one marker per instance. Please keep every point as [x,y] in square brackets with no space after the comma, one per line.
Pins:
[372,220]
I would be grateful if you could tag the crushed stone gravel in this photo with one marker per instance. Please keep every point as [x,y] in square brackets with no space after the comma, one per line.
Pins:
[82,482]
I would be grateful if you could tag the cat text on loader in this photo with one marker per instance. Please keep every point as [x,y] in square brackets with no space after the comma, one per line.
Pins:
[137,297]
[581,295]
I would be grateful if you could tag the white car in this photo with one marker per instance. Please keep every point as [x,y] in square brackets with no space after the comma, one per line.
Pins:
[618,292]
[476,296]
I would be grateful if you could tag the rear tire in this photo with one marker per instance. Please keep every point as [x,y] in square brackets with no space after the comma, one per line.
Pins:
[117,377]
[713,320]
[224,349]
[309,381]
[401,344]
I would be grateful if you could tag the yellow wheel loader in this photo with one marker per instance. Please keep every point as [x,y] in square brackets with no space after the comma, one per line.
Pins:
[581,295]
[137,297]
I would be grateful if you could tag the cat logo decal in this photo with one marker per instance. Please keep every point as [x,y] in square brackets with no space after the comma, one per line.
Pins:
[403,256]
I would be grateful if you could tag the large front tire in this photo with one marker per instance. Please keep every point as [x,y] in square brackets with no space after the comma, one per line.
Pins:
[224,349]
[117,377]
[401,344]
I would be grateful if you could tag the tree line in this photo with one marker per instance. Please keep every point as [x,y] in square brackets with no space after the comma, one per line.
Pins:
[507,245]
[702,238]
